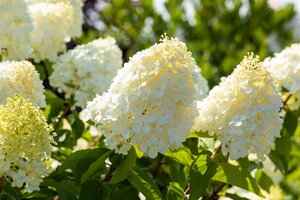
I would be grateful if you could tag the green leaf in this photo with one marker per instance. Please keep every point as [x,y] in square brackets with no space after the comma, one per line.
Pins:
[54,105]
[76,124]
[263,180]
[201,172]
[64,185]
[124,168]
[144,183]
[232,175]
[74,158]
[125,194]
[94,167]
[175,192]
[10,193]
[280,161]
[177,173]
[83,164]
[289,124]
[65,195]
[94,190]
[183,156]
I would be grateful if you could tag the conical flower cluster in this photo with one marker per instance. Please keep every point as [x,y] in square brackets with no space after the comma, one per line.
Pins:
[24,143]
[21,77]
[243,111]
[285,69]
[55,22]
[15,28]
[87,70]
[151,102]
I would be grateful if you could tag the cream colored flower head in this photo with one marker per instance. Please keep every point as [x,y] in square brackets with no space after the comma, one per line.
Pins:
[25,143]
[87,70]
[55,22]
[151,102]
[285,69]
[15,28]
[21,77]
[243,111]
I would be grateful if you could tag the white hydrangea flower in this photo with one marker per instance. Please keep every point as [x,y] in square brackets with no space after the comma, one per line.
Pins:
[285,69]
[15,28]
[243,111]
[25,143]
[151,102]
[75,29]
[21,77]
[87,70]
[55,22]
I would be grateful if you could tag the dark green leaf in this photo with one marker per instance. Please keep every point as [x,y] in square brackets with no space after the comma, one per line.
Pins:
[94,167]
[144,183]
[232,175]
[124,168]
[175,192]
[201,172]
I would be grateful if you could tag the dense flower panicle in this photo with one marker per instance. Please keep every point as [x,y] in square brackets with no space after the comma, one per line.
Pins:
[285,69]
[243,111]
[87,70]
[151,102]
[25,143]
[15,28]
[21,77]
[55,22]
[75,29]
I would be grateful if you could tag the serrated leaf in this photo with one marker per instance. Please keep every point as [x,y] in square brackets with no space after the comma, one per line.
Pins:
[124,168]
[232,175]
[144,183]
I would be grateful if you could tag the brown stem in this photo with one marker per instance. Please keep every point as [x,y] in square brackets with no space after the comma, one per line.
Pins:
[215,153]
[187,190]
[2,183]
[109,174]
[285,102]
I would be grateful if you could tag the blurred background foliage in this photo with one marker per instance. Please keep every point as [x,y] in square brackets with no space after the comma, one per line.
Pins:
[218,33]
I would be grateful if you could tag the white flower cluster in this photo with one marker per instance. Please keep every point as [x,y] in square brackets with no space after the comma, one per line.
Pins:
[151,102]
[87,70]
[243,110]
[54,22]
[25,143]
[15,28]
[21,77]
[285,69]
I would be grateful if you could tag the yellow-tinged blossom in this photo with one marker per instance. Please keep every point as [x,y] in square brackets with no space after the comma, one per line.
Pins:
[25,143]
[243,111]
